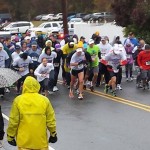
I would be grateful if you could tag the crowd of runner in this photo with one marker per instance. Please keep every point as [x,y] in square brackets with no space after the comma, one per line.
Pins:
[84,62]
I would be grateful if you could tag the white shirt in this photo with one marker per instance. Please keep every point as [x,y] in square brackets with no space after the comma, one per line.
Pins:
[15,55]
[19,62]
[3,56]
[41,69]
[104,49]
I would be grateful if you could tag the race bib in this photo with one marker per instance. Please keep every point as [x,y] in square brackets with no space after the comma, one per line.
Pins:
[128,56]
[80,66]
[148,63]
[93,57]
[116,70]
[56,64]
[34,59]
[103,55]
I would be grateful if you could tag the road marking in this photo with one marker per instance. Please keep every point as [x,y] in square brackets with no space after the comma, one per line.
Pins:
[7,118]
[118,99]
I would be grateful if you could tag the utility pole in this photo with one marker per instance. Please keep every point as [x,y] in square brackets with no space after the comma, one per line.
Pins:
[64,11]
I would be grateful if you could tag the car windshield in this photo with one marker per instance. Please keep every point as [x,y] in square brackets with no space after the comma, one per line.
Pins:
[41,25]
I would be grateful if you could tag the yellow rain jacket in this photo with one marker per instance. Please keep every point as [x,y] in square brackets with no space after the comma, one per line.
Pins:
[30,117]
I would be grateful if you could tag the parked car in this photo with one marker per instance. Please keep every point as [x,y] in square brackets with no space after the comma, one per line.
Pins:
[70,17]
[80,15]
[52,27]
[39,17]
[108,16]
[5,17]
[48,17]
[18,27]
[76,20]
[87,17]
[58,16]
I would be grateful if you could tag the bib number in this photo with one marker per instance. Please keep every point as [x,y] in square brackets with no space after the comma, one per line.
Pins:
[56,64]
[148,63]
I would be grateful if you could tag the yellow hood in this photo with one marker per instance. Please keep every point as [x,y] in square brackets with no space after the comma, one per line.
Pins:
[31,85]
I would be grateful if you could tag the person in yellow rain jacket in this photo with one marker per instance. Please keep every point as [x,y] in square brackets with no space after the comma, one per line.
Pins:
[30,117]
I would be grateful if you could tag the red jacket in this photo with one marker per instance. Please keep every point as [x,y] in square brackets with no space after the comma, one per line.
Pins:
[144,60]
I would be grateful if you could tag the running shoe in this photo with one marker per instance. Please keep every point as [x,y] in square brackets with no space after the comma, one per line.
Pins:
[107,87]
[127,79]
[55,88]
[80,97]
[131,79]
[114,93]
[92,88]
[119,87]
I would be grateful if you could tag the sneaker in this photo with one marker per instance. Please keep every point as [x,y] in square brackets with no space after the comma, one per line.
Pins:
[92,88]
[114,93]
[71,94]
[77,91]
[1,96]
[107,87]
[127,79]
[7,90]
[131,79]
[50,92]
[84,87]
[80,97]
[119,87]
[68,87]
[55,88]
[138,85]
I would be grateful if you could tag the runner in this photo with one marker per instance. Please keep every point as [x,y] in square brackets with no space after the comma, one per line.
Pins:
[42,73]
[129,66]
[23,65]
[144,63]
[114,59]
[93,68]
[77,71]
[104,47]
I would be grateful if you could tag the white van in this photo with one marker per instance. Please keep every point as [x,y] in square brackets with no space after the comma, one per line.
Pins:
[18,27]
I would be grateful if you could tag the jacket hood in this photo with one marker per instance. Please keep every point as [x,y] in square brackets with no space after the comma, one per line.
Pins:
[31,85]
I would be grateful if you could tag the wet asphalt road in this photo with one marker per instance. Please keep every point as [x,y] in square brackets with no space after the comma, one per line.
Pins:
[99,122]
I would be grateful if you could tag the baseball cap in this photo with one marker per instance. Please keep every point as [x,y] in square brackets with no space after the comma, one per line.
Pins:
[79,50]
[17,47]
[103,38]
[91,41]
[57,46]
[34,43]
[27,38]
[82,37]
[71,43]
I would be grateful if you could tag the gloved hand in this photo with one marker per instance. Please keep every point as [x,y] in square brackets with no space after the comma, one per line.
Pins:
[12,142]
[53,138]
[109,66]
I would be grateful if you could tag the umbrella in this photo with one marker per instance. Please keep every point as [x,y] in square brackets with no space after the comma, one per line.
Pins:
[8,77]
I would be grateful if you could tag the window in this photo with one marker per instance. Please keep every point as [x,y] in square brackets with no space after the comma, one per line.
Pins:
[55,25]
[47,26]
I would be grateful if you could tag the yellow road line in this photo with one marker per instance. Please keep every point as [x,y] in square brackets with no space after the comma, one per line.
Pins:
[118,99]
